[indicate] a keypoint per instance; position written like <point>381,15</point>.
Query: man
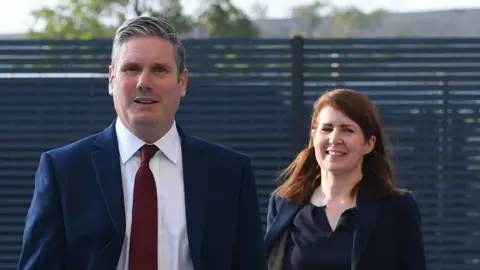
<point>142,194</point>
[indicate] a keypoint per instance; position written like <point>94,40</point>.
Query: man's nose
<point>144,81</point>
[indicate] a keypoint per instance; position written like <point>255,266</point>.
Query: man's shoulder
<point>83,145</point>
<point>218,150</point>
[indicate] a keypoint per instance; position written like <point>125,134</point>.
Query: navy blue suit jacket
<point>77,218</point>
<point>387,234</point>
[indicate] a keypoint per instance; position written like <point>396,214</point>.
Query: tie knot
<point>147,151</point>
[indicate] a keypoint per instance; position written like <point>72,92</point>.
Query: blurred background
<point>85,19</point>
<point>256,67</point>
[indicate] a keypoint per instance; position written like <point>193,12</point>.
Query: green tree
<point>88,19</point>
<point>348,20</point>
<point>222,19</point>
<point>310,15</point>
<point>174,13</point>
<point>76,19</point>
<point>259,11</point>
<point>345,21</point>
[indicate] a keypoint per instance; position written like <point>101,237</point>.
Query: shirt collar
<point>129,144</point>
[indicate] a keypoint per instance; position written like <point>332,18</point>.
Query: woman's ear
<point>370,144</point>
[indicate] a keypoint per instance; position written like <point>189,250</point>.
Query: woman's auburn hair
<point>302,176</point>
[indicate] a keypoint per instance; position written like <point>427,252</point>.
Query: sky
<point>15,16</point>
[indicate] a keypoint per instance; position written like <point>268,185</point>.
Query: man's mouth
<point>145,101</point>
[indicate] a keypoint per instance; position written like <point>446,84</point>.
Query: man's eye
<point>159,69</point>
<point>131,69</point>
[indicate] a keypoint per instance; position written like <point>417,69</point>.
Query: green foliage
<point>309,14</point>
<point>76,19</point>
<point>348,20</point>
<point>259,11</point>
<point>90,19</point>
<point>224,20</point>
<point>175,15</point>
<point>345,21</point>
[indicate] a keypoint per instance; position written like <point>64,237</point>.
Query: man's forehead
<point>147,42</point>
<point>135,50</point>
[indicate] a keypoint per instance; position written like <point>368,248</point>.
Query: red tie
<point>143,236</point>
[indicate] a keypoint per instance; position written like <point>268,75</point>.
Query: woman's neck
<point>336,189</point>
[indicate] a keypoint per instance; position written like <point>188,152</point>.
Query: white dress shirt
<point>167,169</point>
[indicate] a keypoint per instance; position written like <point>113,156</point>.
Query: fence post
<point>298,117</point>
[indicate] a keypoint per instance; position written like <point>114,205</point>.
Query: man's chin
<point>146,122</point>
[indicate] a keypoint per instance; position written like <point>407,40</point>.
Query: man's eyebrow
<point>162,65</point>
<point>155,65</point>
<point>129,63</point>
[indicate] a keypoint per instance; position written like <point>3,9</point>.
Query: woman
<point>338,208</point>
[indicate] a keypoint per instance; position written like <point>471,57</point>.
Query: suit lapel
<point>367,213</point>
<point>285,214</point>
<point>195,177</point>
<point>106,162</point>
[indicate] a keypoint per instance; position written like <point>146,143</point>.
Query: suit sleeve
<point>411,253</point>
<point>43,244</point>
<point>249,253</point>
<point>271,212</point>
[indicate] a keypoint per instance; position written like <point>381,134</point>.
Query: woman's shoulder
<point>401,198</point>
<point>276,202</point>
<point>403,202</point>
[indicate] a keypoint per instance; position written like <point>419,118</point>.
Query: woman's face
<point>339,143</point>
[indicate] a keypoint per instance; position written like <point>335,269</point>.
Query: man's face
<point>145,85</point>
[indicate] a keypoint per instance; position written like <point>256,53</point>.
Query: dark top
<point>313,245</point>
<point>388,232</point>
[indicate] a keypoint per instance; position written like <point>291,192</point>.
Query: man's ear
<point>111,80</point>
<point>183,81</point>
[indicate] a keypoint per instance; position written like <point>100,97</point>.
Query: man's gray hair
<point>149,26</point>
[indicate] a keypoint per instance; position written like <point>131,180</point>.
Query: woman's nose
<point>335,137</point>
